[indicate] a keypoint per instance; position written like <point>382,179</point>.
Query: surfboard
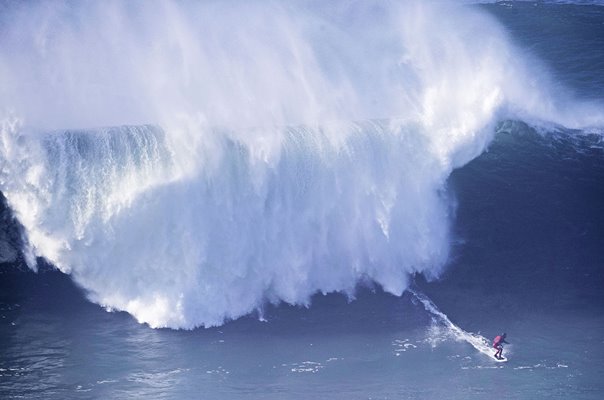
<point>503,359</point>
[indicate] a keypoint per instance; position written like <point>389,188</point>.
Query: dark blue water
<point>565,36</point>
<point>527,258</point>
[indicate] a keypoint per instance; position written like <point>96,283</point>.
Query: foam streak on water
<point>477,341</point>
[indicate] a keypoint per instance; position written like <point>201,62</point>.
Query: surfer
<point>498,344</point>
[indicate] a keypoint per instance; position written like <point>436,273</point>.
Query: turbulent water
<point>197,163</point>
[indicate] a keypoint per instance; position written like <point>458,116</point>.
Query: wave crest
<point>289,149</point>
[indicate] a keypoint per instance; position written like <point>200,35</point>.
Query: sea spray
<point>255,151</point>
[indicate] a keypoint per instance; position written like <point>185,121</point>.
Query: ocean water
<point>342,200</point>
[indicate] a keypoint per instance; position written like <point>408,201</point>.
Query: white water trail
<point>476,340</point>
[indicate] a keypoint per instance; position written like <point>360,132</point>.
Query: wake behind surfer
<point>498,344</point>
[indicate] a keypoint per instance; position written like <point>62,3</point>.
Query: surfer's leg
<point>499,351</point>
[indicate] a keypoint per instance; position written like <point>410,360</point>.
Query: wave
<point>259,151</point>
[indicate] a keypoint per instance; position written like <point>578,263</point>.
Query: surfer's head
<point>503,335</point>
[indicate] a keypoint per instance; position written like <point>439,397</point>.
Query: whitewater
<point>189,163</point>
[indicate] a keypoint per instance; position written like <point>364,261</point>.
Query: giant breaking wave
<point>188,162</point>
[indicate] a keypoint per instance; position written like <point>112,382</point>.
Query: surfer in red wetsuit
<point>498,344</point>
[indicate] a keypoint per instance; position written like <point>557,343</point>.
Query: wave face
<point>256,151</point>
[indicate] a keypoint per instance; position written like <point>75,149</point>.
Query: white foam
<point>307,367</point>
<point>294,148</point>
<point>477,341</point>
